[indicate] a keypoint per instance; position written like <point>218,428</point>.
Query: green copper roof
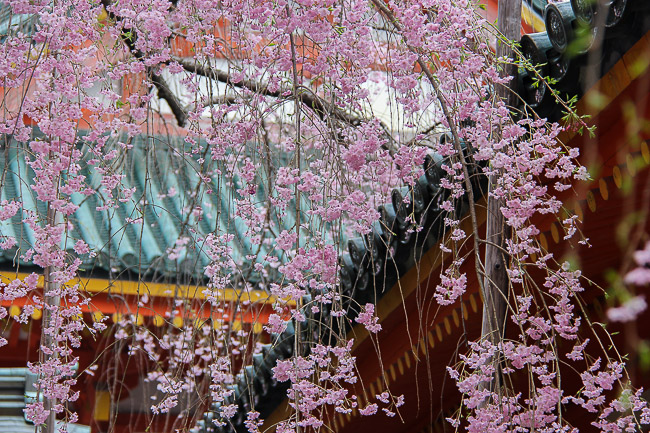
<point>176,197</point>
<point>11,23</point>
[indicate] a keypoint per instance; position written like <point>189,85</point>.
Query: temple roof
<point>14,23</point>
<point>177,201</point>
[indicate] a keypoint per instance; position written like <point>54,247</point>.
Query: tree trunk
<point>49,323</point>
<point>495,296</point>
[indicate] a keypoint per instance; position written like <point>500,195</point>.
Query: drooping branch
<point>493,279</point>
<point>390,17</point>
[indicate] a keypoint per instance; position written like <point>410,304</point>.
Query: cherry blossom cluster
<point>301,116</point>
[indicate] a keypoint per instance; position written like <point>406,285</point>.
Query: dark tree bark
<point>495,296</point>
